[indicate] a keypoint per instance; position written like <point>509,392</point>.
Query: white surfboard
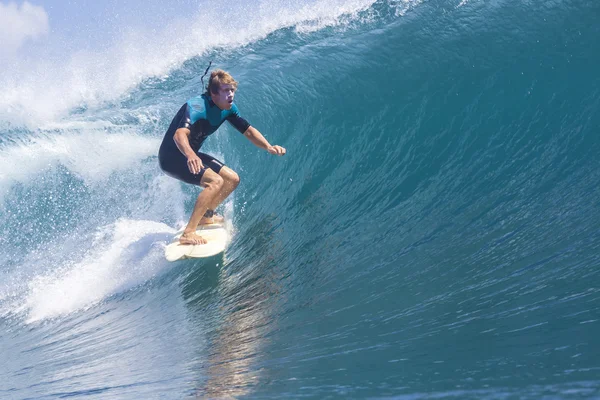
<point>215,234</point>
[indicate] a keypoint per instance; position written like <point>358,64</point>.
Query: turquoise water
<point>433,231</point>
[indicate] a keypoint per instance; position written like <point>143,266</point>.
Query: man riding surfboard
<point>180,157</point>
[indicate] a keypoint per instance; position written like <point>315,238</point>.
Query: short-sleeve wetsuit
<point>202,117</point>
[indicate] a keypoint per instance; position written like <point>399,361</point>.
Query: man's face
<point>224,99</point>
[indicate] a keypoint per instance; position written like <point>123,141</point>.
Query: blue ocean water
<point>433,231</point>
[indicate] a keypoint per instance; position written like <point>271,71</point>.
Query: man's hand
<point>276,150</point>
<point>194,164</point>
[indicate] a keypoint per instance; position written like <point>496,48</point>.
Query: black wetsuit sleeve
<point>185,121</point>
<point>238,122</point>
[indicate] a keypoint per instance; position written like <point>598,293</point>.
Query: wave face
<point>433,231</point>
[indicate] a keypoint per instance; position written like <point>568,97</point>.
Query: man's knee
<point>230,176</point>
<point>234,180</point>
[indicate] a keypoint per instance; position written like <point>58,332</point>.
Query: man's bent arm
<point>183,144</point>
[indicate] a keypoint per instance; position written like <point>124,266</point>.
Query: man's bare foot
<point>215,219</point>
<point>191,238</point>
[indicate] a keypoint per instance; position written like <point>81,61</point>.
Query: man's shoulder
<point>197,104</point>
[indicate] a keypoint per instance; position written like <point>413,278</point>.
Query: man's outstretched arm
<point>259,140</point>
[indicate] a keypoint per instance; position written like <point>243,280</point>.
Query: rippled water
<point>433,231</point>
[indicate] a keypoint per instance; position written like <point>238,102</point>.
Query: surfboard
<point>215,234</point>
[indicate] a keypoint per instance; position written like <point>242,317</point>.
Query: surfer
<point>180,157</point>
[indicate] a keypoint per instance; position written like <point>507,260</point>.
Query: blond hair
<point>217,78</point>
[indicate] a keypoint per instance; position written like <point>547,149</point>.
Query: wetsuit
<point>202,117</point>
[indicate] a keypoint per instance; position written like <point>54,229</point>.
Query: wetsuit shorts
<point>175,165</point>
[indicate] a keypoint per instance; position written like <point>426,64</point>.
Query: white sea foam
<point>122,256</point>
<point>44,90</point>
<point>92,156</point>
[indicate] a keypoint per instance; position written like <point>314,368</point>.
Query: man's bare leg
<point>212,184</point>
<point>230,182</point>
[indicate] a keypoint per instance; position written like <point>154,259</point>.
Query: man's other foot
<point>215,219</point>
<point>191,238</point>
